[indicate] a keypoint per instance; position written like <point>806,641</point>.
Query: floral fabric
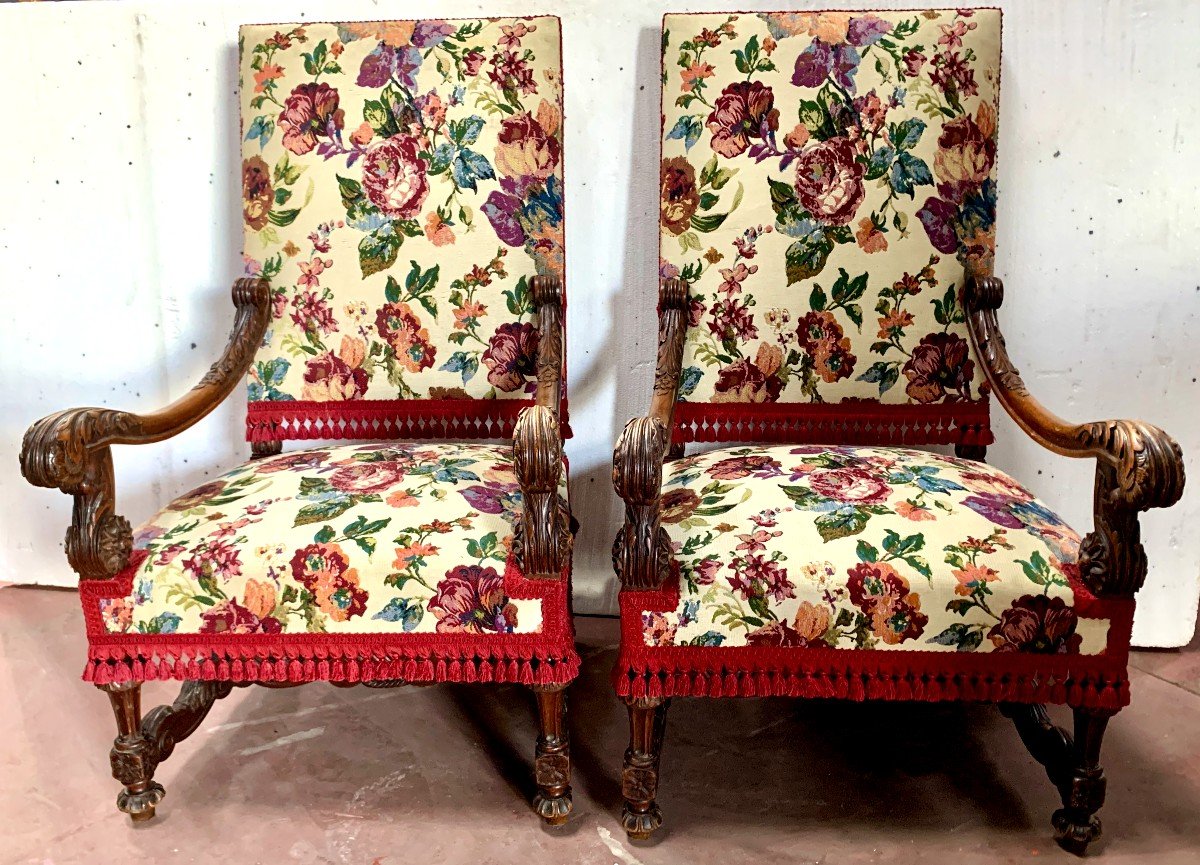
<point>824,177</point>
<point>401,539</point>
<point>401,184</point>
<point>866,548</point>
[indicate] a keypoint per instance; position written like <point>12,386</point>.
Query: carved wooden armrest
<point>548,300</point>
<point>642,552</point>
<point>543,535</point>
<point>70,450</point>
<point>1138,465</point>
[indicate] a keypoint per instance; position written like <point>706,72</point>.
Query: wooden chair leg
<point>143,743</point>
<point>134,757</point>
<point>639,780</point>
<point>1073,766</point>
<point>552,761</point>
<point>1076,824</point>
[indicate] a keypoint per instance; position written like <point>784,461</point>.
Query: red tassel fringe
<point>851,422</point>
<point>856,682</point>
<point>107,665</point>
<point>387,419</point>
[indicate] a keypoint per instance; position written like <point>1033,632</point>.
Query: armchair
<point>817,167</point>
<point>395,561</point>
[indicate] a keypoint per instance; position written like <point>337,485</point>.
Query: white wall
<point>119,237</point>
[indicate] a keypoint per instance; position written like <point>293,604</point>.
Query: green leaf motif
<point>841,523</point>
<point>806,257</point>
<point>378,250</point>
<point>964,638</point>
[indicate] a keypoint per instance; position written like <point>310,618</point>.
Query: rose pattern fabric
<point>865,548</point>
<point>825,177</point>
<point>402,182</point>
<point>408,538</point>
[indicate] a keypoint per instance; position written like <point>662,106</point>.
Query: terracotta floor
<point>430,775</point>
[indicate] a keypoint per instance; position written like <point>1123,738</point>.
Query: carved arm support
<point>543,537</point>
<point>70,450</point>
<point>642,552</point>
<point>548,299</point>
<point>1138,465</point>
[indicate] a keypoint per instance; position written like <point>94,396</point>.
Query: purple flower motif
<point>867,30</point>
<point>384,62</point>
<point>430,34</point>
<point>939,218</point>
<point>377,66</point>
<point>995,508</point>
<point>492,498</point>
<point>501,211</point>
<point>821,60</point>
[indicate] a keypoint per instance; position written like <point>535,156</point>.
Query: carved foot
<point>552,760</point>
<point>553,809</point>
<point>1072,836</point>
<point>140,806</point>
<point>641,815</point>
<point>640,825</point>
<point>142,744</point>
<point>1073,766</point>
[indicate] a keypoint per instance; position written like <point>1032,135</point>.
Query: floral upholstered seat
<point>403,280</point>
<point>866,548</point>
<point>399,539</point>
<point>827,236</point>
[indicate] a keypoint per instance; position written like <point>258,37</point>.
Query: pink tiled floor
<point>430,775</point>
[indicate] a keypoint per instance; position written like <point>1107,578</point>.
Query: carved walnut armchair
<point>827,234</point>
<point>403,210</point>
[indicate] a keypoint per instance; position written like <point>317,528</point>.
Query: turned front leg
<point>639,779</point>
<point>134,757</point>
<point>552,763</point>
<point>1076,824</point>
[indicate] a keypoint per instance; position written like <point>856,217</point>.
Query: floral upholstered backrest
<point>402,183</point>
<point>825,176</point>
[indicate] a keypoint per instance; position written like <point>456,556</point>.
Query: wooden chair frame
<point>1138,467</point>
<point>71,451</point>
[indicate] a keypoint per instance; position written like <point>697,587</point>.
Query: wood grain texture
<point>1138,467</point>
<point>641,552</point>
<point>143,743</point>
<point>70,450</point>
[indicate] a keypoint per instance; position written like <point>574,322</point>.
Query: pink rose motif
<point>511,355</point>
<point>470,599</point>
<point>217,559</point>
<point>853,486</point>
<point>310,113</point>
<point>744,110</point>
<point>829,182</point>
<point>329,378</point>
<point>363,478</point>
<point>394,176</point>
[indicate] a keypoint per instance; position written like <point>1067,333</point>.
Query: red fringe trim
<point>856,422</point>
<point>545,658</point>
<point>856,680</point>
<point>1098,681</point>
<point>286,420</point>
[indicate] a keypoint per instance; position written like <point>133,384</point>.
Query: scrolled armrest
<point>70,450</point>
<point>543,535</point>
<point>642,551</point>
<point>1138,466</point>
<point>548,299</point>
